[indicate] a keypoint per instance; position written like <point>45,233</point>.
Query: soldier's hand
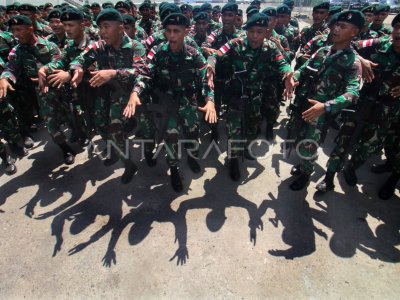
<point>395,92</point>
<point>367,69</point>
<point>4,87</point>
<point>77,78</point>
<point>210,112</point>
<point>306,56</point>
<point>277,43</point>
<point>42,74</point>
<point>58,78</point>
<point>130,108</point>
<point>101,77</point>
<point>210,77</point>
<point>311,114</point>
<point>290,84</point>
<point>208,51</point>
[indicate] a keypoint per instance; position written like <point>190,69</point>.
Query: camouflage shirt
<point>338,77</point>
<point>175,74</point>
<point>149,26</point>
<point>288,53</point>
<point>42,29</point>
<point>127,60</point>
<point>159,37</point>
<point>219,38</point>
<point>7,42</point>
<point>289,33</point>
<point>54,39</point>
<point>93,33</point>
<point>381,31</point>
<point>28,59</point>
<point>308,33</point>
<point>313,46</point>
<point>366,35</point>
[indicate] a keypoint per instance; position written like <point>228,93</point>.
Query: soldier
<point>146,23</point>
<point>175,71</point>
<point>239,20</point>
<point>256,3</point>
<point>12,10</point>
<point>26,59</point>
<point>366,32</point>
<point>251,11</point>
<point>201,26</point>
<point>134,33</point>
<point>119,60</point>
<point>293,21</point>
<point>383,128</point>
<point>107,4</point>
<point>334,85</point>
<point>187,10</point>
<point>122,7</point>
<point>333,10</point>
<point>216,14</point>
<point>319,14</point>
<point>90,30</point>
<point>58,36</point>
<point>381,12</point>
<point>283,28</point>
<point>30,11</point>
<point>252,62</point>
<point>96,9</point>
<point>207,8</point>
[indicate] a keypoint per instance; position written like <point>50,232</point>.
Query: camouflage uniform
<point>337,84</point>
<point>9,126</point>
<point>140,34</point>
<point>382,127</point>
<point>149,26</point>
<point>113,96</point>
<point>290,34</point>
<point>179,77</point>
<point>369,34</point>
<point>382,31</point>
<point>93,33</point>
<point>26,60</point>
<point>42,30</point>
<point>313,46</point>
<point>54,39</point>
<point>159,37</point>
<point>258,65</point>
<point>308,33</point>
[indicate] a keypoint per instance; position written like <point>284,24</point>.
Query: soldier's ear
<point>187,30</point>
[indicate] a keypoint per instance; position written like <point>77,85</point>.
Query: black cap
<point>169,9</point>
<point>186,7</point>
<point>233,7</point>
<point>144,5</point>
<point>255,2</point>
<point>54,14</point>
<point>333,19</point>
<point>354,17</point>
<point>334,10</point>
<point>95,5</point>
<point>109,14</point>
<point>258,19</point>
<point>322,5</point>
<point>396,20</point>
<point>27,7</point>
<point>249,8</point>
<point>128,19</point>
<point>71,14</point>
<point>122,4</point>
<point>368,9</point>
<point>107,4</point>
<point>196,9</point>
<point>270,11</point>
<point>201,16</point>
<point>11,7</point>
<point>47,5</point>
<point>176,19</point>
<point>381,8</point>
<point>19,20</point>
<point>283,9</point>
<point>206,6</point>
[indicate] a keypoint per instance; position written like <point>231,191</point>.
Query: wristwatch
<point>328,107</point>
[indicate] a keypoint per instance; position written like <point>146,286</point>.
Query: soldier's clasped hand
<point>4,87</point>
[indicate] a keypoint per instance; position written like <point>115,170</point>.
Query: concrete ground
<point>76,232</point>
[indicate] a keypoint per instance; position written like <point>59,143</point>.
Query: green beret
<point>27,7</point>
<point>186,7</point>
<point>289,3</point>
<point>368,9</point>
<point>381,8</point>
<point>122,4</point>
<point>40,7</point>
<point>176,19</point>
<point>322,5</point>
<point>233,7</point>
<point>334,10</point>
<point>128,19</point>
<point>11,7</point>
<point>283,9</point>
<point>107,4</point>
<point>255,2</point>
<point>95,5</point>
<point>396,20</point>
<point>206,6</point>
<point>47,5</point>
<point>162,4</point>
<point>240,12</point>
<point>65,4</point>
<point>2,8</point>
<point>59,6</point>
<point>201,16</point>
<point>249,8</point>
<point>217,7</point>
<point>109,14</point>
<point>354,17</point>
<point>169,9</point>
<point>270,11</point>
<point>54,14</point>
<point>258,19</point>
<point>144,5</point>
<point>19,20</point>
<point>333,19</point>
<point>71,14</point>
<point>252,12</point>
<point>196,9</point>
<point>216,11</point>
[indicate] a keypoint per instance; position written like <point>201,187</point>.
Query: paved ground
<point>218,239</point>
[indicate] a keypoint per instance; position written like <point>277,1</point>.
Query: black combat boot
<point>249,155</point>
<point>234,171</point>
<point>130,171</point>
<point>112,157</point>
<point>149,156</point>
<point>350,175</point>
<point>176,180</point>
<point>326,185</point>
<point>295,171</point>
<point>269,132</point>
<point>8,162</point>
<point>301,182</point>
<point>193,164</point>
<point>383,168</point>
<point>214,133</point>
<point>388,188</point>
<point>69,154</point>
<point>28,142</point>
<point>19,150</point>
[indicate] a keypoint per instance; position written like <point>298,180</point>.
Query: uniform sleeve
<point>351,94</point>
<point>279,61</point>
<point>86,58</point>
<point>201,71</point>
<point>209,40</point>
<point>223,51</point>
<point>144,80</point>
<point>14,67</point>
<point>127,75</point>
<point>60,62</point>
<point>371,43</point>
<point>289,54</point>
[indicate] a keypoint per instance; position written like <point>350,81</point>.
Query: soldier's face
<point>145,13</point>
<point>153,14</point>
<point>272,21</point>
<point>74,29</point>
<point>95,10</point>
<point>238,21</point>
<point>12,13</point>
<point>320,15</point>
<point>369,17</point>
<point>123,11</point>
<point>343,32</point>
<point>56,26</point>
<point>175,35</point>
<point>380,18</point>
<point>256,36</point>
<point>2,18</point>
<point>281,20</point>
<point>111,31</point>
<point>28,14</point>
<point>396,37</point>
<point>228,19</point>
<point>23,33</point>
<point>216,17</point>
<point>201,27</point>
<point>130,30</point>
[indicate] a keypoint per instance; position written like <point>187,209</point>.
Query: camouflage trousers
<point>271,103</point>
<point>9,125</point>
<point>242,124</point>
